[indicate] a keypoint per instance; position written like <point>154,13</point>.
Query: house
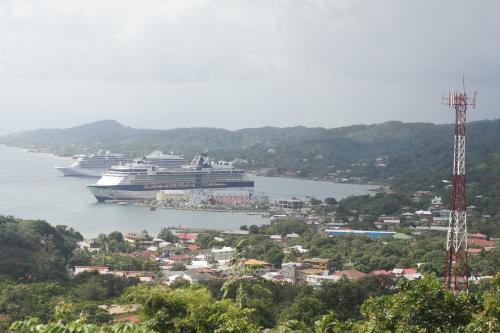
<point>474,251</point>
<point>276,238</point>
<point>89,244</point>
<point>139,239</point>
<point>317,280</point>
<point>276,277</point>
<point>224,253</point>
<point>234,232</point>
<point>189,237</point>
<point>407,273</point>
<point>193,248</point>
<point>100,269</point>
<point>144,254</point>
<point>303,273</point>
<point>407,216</point>
<point>174,196</point>
<point>292,204</point>
<point>481,243</point>
<point>437,203</point>
<point>191,275</point>
<point>233,198</point>
<point>297,248</point>
<point>278,218</point>
<point>254,263</point>
<point>180,258</point>
<point>197,264</point>
<point>123,312</point>
<point>141,275</point>
<point>423,214</point>
<point>290,270</point>
<point>478,236</point>
<point>292,236</point>
<point>350,274</point>
<point>170,248</point>
<point>411,274</point>
<point>389,220</point>
<point>348,232</point>
<point>318,263</point>
<point>380,272</point>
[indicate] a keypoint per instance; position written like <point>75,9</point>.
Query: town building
<point>290,270</point>
<point>317,280</point>
<point>191,275</point>
<point>214,254</point>
<point>139,239</point>
<point>318,263</point>
<point>292,204</point>
<point>260,267</point>
<point>368,233</point>
<point>100,269</point>
<point>231,198</point>
<point>350,274</point>
<point>174,195</point>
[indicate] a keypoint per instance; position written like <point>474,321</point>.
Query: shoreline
<point>377,186</point>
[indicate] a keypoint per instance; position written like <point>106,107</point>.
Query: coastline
<point>253,172</point>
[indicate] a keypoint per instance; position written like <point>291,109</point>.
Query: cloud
<point>277,62</point>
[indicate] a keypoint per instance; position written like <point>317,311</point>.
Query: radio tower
<point>456,275</point>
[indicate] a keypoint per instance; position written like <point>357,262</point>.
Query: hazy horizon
<point>228,129</point>
<point>226,64</point>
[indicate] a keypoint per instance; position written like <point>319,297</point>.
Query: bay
<point>31,188</point>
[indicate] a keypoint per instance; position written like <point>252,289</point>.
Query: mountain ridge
<point>336,153</point>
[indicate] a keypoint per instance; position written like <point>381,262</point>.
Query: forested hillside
<point>346,152</point>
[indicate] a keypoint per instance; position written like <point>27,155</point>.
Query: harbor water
<point>31,188</point>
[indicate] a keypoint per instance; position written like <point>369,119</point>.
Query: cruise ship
<point>139,181</point>
<point>93,165</point>
<point>161,160</point>
<point>97,164</point>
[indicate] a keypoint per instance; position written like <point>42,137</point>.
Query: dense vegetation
<point>406,148</point>
<point>42,289</point>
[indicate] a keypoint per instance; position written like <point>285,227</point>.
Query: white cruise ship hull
<point>104,194</point>
<point>80,172</point>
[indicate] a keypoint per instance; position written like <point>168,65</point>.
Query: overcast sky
<point>237,63</point>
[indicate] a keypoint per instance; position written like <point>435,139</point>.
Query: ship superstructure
<point>161,160</point>
<point>139,181</point>
<point>93,165</point>
<point>96,165</point>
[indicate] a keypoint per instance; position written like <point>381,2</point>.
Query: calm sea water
<point>30,187</point>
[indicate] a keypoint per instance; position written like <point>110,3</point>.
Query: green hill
<point>316,152</point>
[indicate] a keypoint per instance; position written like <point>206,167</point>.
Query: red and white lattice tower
<point>456,273</point>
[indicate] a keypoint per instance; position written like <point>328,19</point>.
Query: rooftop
<point>255,262</point>
<point>350,274</point>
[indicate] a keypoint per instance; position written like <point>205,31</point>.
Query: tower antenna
<point>456,275</point>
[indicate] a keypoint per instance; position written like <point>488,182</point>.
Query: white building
<point>317,280</point>
<point>224,253</point>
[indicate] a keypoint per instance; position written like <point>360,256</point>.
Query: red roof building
<point>187,236</point>
<point>407,271</point>
<point>380,272</point>
<point>180,258</point>
<point>350,274</point>
<point>480,242</point>
<point>474,251</point>
<point>478,236</point>
<point>193,248</point>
